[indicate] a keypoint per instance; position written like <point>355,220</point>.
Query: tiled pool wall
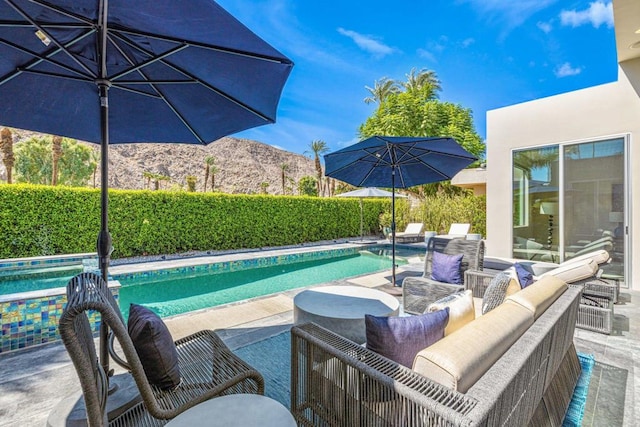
<point>31,318</point>
<point>243,264</point>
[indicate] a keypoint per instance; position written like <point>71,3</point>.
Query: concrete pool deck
<point>33,381</point>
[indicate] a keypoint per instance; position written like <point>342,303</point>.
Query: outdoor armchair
<point>419,292</point>
<point>207,367</point>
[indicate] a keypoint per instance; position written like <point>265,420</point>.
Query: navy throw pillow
<point>401,338</point>
<point>525,278</point>
<point>446,268</point>
<point>155,347</point>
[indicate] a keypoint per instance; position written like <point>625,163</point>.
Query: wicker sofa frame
<point>208,367</point>
<point>419,292</point>
<point>336,382</point>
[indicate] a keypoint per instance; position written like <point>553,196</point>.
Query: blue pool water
<point>181,293</point>
<point>37,279</point>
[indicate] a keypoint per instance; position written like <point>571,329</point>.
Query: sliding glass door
<point>570,199</point>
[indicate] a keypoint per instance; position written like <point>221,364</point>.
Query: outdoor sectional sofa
<point>515,365</point>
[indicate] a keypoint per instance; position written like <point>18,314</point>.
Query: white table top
<point>346,302</point>
<point>246,410</point>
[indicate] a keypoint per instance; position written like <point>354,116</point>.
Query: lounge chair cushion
<point>501,286</point>
<point>446,268</point>
<point>401,338</point>
<point>600,256</point>
<point>155,347</point>
<point>573,271</point>
<point>461,309</point>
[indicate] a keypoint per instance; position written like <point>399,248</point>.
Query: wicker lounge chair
<point>208,368</point>
<point>419,292</point>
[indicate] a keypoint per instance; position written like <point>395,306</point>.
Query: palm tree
<point>213,170</point>
<point>381,90</point>
<point>283,169</point>
<point>423,80</point>
<point>148,176</point>
<point>56,153</point>
<point>318,147</point>
<point>6,145</point>
<point>208,162</point>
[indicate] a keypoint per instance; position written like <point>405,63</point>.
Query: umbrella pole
<point>104,238</point>
<point>361,219</point>
<point>393,225</point>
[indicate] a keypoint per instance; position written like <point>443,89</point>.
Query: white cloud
<point>545,27</point>
<point>429,56</point>
<point>566,70</point>
<point>597,14</point>
<point>367,43</point>
<point>509,13</point>
<point>468,42</point>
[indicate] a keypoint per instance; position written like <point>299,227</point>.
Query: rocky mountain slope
<point>242,165</point>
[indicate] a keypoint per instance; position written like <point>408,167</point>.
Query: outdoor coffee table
<point>341,309</point>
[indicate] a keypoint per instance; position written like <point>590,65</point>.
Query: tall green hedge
<point>43,220</point>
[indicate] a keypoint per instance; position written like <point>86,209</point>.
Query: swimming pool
<point>181,292</point>
<point>30,306</point>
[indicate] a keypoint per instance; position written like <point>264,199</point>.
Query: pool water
<point>178,293</point>
<point>13,282</point>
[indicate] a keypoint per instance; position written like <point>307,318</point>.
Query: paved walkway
<point>33,381</point>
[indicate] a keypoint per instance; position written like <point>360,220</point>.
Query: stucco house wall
<point>594,113</point>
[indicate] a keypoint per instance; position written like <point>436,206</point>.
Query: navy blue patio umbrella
<point>397,162</point>
<point>122,71</point>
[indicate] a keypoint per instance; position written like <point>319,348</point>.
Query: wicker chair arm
<point>478,281</point>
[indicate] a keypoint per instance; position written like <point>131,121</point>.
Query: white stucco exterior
<point>594,113</point>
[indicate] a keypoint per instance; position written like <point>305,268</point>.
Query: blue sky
<point>487,53</point>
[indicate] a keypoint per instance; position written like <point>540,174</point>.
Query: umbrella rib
<point>158,92</point>
<point>60,46</point>
<point>202,45</point>
<point>61,11</point>
<point>38,58</point>
<point>151,60</point>
<point>195,79</point>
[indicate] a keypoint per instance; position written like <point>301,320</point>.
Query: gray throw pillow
<point>155,347</point>
<point>496,291</point>
<point>401,338</point>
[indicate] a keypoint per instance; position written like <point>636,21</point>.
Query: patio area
<point>33,381</point>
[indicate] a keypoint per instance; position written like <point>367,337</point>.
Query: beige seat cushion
<point>599,256</point>
<point>574,271</point>
<point>460,359</point>
<point>538,296</point>
<point>461,310</point>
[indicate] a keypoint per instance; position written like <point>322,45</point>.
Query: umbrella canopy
<point>146,71</point>
<point>397,162</point>
<point>367,192</point>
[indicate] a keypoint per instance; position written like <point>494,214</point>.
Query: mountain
<point>242,165</point>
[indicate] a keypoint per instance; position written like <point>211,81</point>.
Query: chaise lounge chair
<point>412,234</point>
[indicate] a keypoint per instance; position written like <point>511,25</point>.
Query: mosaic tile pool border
<point>33,321</point>
<point>243,264</point>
